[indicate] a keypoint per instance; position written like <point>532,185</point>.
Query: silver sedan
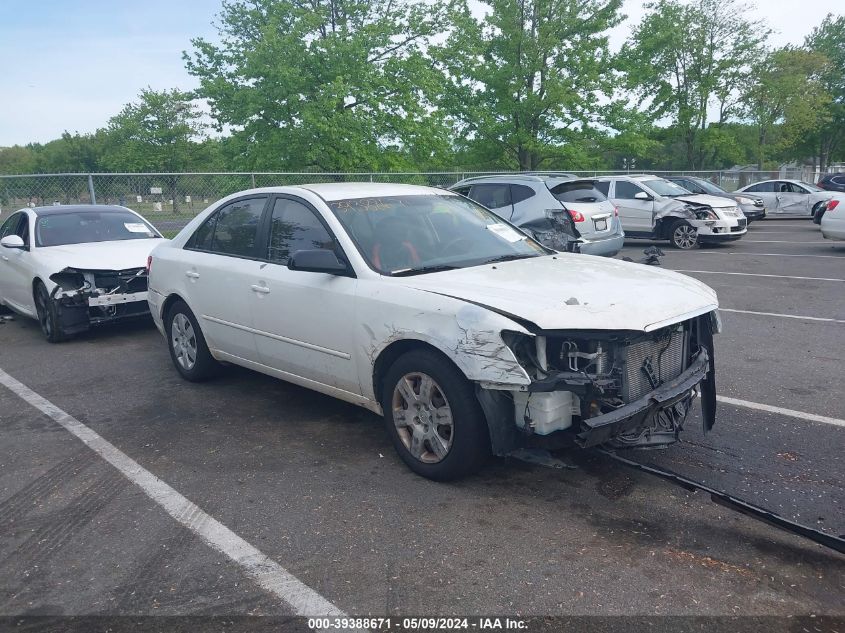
<point>790,197</point>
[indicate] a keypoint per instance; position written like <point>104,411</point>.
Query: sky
<point>73,64</point>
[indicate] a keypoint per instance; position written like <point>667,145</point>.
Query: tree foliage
<point>162,131</point>
<point>686,61</point>
<point>786,92</point>
<point>324,84</point>
<point>390,85</point>
<point>827,141</point>
<point>525,80</point>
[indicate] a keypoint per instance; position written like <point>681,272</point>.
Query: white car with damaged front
<point>75,266</point>
<point>418,304</point>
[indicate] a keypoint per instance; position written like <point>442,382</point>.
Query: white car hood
<point>582,292</point>
<point>116,255</point>
<point>711,201</point>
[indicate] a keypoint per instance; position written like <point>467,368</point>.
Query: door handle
<point>192,274</point>
<point>5,259</point>
<point>260,289</point>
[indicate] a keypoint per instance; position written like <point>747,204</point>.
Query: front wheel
<point>48,318</point>
<point>433,417</point>
<point>187,344</point>
<point>683,235</point>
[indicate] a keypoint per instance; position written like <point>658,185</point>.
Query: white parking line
<point>784,316</point>
<point>780,410</point>
<point>771,255</point>
<point>783,241</point>
<point>720,272</point>
<point>262,569</point>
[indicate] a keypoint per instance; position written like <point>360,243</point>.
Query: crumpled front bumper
<point>603,428</point>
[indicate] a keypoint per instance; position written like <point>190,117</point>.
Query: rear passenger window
<point>231,230</point>
<point>604,187</point>
<point>464,191</point>
<point>491,196</point>
<point>520,193</point>
<point>761,187</point>
<point>627,190</point>
<point>294,227</point>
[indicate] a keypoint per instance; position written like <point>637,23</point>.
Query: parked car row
<point>466,334</point>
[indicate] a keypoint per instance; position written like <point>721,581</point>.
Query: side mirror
<point>12,241</point>
<point>319,260</point>
<point>642,195</point>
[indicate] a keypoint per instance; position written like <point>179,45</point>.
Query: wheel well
<point>664,226</point>
<point>169,302</point>
<point>35,283</point>
<point>392,352</point>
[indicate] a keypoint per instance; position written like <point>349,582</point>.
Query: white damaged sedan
<point>75,266</point>
<point>468,337</point>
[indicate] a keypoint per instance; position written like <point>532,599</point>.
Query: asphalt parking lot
<point>314,485</point>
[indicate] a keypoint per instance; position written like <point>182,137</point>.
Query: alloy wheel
<point>423,417</point>
<point>685,236</point>
<point>184,341</point>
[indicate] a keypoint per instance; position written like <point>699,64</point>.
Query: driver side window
<point>17,224</point>
<point>627,190</point>
<point>294,227</point>
<point>10,225</point>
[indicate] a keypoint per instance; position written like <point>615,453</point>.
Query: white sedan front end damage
<point>575,362</point>
<point>83,298</point>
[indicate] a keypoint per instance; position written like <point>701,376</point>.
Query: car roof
<point>550,180</point>
<point>344,190</point>
<point>60,209</point>
<point>639,177</point>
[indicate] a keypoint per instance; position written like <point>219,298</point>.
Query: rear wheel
<point>45,309</point>
<point>187,344</point>
<point>433,417</point>
<point>683,235</point>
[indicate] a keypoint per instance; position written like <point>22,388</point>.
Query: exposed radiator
<point>665,357</point>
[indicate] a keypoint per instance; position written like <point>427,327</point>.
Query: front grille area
<point>741,226</point>
<point>665,356</point>
<point>109,280</point>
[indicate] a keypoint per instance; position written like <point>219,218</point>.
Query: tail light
<point>616,212</point>
<point>832,204</point>
<point>149,263</point>
<point>577,216</point>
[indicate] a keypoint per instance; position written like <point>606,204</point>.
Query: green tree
<point>688,61</point>
<point>324,84</point>
<point>161,132</point>
<point>526,79</point>
<point>827,143</point>
<point>786,94</point>
<point>17,159</point>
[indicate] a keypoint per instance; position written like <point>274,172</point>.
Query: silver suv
<point>528,199</point>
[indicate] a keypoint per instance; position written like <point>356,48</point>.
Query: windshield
<point>708,186</point>
<point>406,235</point>
<point>665,188</point>
<point>80,227</point>
<point>809,186</point>
<point>578,191</point>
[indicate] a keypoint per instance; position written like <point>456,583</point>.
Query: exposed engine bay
<point>83,298</point>
<point>619,389</point>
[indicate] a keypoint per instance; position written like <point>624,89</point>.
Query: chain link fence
<point>169,201</point>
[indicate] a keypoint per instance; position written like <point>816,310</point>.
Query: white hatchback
<point>418,304</point>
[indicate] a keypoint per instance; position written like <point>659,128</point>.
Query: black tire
<point>469,446</point>
<point>45,309</point>
<point>679,235</point>
<point>203,366</point>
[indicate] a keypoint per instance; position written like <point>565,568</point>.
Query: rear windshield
<point>80,227</point>
<point>578,191</point>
